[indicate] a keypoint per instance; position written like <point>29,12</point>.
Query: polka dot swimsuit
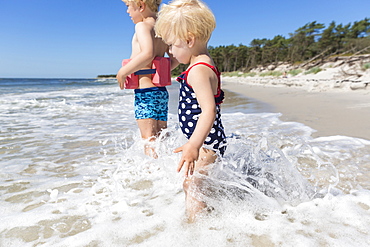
<point>189,112</point>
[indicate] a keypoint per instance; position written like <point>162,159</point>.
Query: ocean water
<point>73,173</point>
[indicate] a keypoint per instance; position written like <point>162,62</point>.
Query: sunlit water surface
<point>73,173</point>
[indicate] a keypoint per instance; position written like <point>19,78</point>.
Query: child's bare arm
<point>145,38</point>
<point>200,78</point>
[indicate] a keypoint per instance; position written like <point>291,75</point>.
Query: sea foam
<point>73,173</point>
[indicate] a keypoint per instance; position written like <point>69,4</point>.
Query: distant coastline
<point>106,76</point>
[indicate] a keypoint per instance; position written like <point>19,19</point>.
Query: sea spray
<point>74,173</point>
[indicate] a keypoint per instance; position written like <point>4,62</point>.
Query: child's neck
<point>149,16</point>
<point>149,19</point>
<point>200,53</point>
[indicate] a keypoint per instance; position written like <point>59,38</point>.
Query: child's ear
<point>191,40</point>
<point>142,6</point>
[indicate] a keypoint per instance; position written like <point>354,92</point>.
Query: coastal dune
<point>328,102</point>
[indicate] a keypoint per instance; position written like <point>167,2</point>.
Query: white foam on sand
<point>73,173</point>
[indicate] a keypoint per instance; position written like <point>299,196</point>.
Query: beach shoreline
<point>77,174</point>
<point>329,111</point>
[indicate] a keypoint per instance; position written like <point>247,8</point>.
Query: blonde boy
<point>151,102</point>
<point>186,26</point>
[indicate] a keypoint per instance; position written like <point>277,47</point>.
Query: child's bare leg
<point>149,130</point>
<point>161,125</point>
<point>192,184</point>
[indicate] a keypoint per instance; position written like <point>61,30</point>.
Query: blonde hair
<point>153,5</point>
<point>180,18</point>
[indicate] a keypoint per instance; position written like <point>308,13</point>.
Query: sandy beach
<point>330,112</point>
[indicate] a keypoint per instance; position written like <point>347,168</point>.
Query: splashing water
<point>73,173</point>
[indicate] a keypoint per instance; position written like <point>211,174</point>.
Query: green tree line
<point>312,41</point>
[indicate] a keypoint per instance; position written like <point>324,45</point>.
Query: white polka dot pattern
<point>189,111</point>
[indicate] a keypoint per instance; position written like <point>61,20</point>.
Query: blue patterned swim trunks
<point>151,103</point>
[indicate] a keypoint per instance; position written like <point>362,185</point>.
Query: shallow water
<point>73,173</point>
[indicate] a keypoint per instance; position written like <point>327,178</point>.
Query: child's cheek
<point>179,55</point>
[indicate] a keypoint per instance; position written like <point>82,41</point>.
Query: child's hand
<point>189,156</point>
<point>121,79</point>
<point>121,82</point>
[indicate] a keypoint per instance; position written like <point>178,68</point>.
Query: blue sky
<point>82,39</point>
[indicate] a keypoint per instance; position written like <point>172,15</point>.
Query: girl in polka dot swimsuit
<point>186,26</point>
<point>190,110</point>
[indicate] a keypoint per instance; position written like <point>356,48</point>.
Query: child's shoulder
<point>202,69</point>
<point>205,64</point>
<point>144,30</point>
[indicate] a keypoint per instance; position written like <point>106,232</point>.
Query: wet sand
<point>330,113</point>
